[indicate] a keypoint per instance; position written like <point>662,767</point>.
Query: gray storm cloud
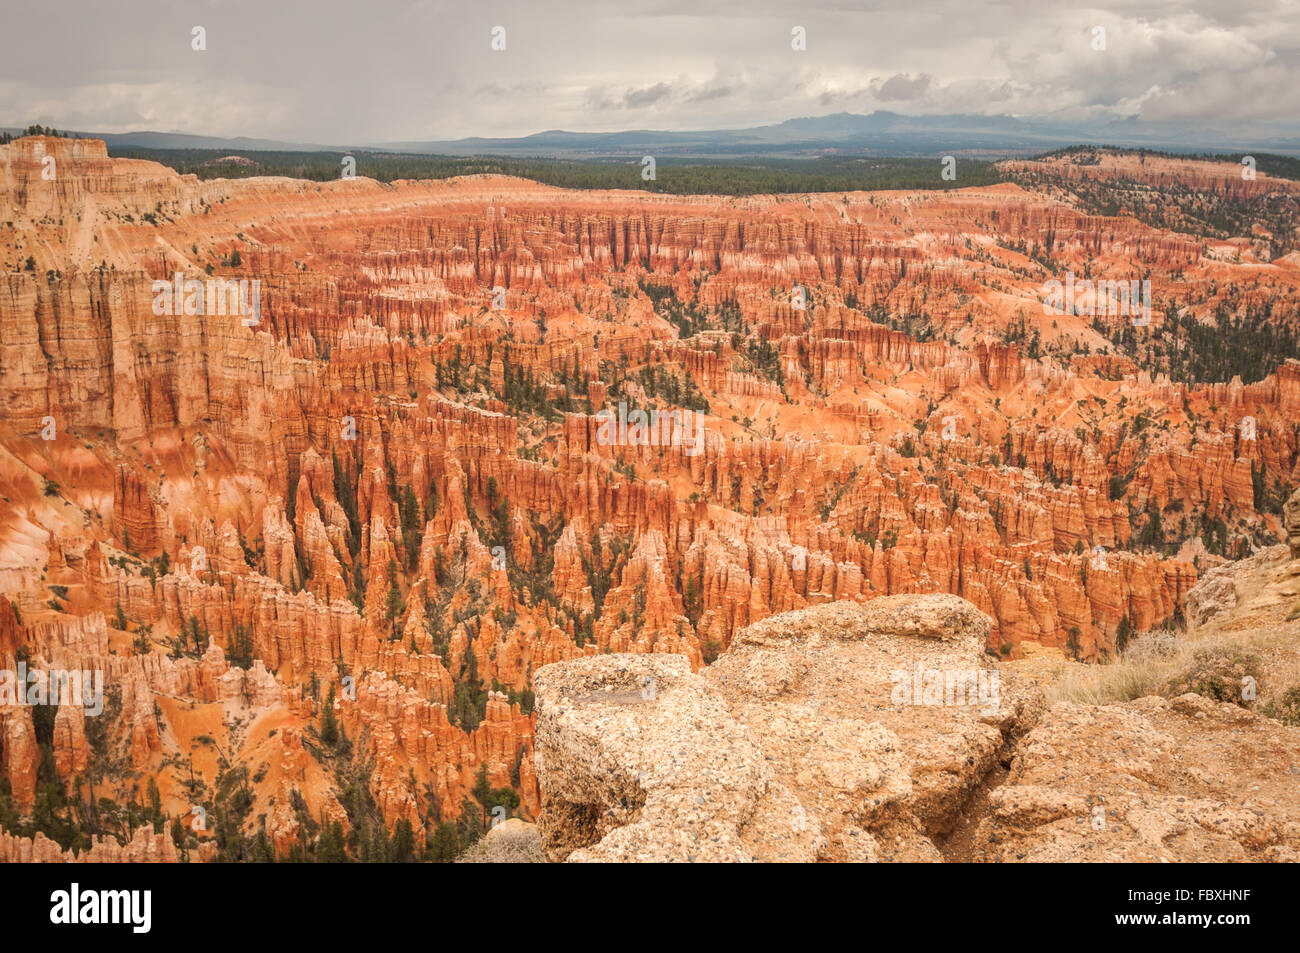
<point>387,70</point>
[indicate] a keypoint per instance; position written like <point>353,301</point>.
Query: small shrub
<point>509,845</point>
<point>1216,673</point>
<point>1286,707</point>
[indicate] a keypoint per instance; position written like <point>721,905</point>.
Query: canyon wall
<point>387,495</point>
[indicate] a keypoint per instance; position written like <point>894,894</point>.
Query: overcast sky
<point>365,71</point>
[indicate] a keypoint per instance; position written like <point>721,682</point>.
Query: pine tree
<point>263,850</point>
<point>155,806</point>
<point>1123,633</point>
<point>409,511</point>
<point>395,605</point>
<point>402,849</point>
<point>329,847</point>
<point>329,726</point>
<point>469,826</point>
<point>444,845</point>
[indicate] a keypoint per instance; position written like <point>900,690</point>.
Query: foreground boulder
<point>823,735</point>
<point>839,732</point>
<point>1152,780</point>
<point>642,761</point>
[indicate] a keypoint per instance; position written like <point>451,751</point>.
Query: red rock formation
<point>21,754</point>
<point>388,485</point>
<point>145,847</point>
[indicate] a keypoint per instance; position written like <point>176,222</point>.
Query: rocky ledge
<point>884,732</point>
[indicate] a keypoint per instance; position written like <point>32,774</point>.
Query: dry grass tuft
<point>1148,663</point>
<point>1169,663</point>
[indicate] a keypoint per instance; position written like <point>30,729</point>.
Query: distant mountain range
<point>879,133</point>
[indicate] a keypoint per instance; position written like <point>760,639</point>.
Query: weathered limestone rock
<point>1153,780</point>
<point>796,745</point>
<point>1213,594</point>
<point>639,760</point>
